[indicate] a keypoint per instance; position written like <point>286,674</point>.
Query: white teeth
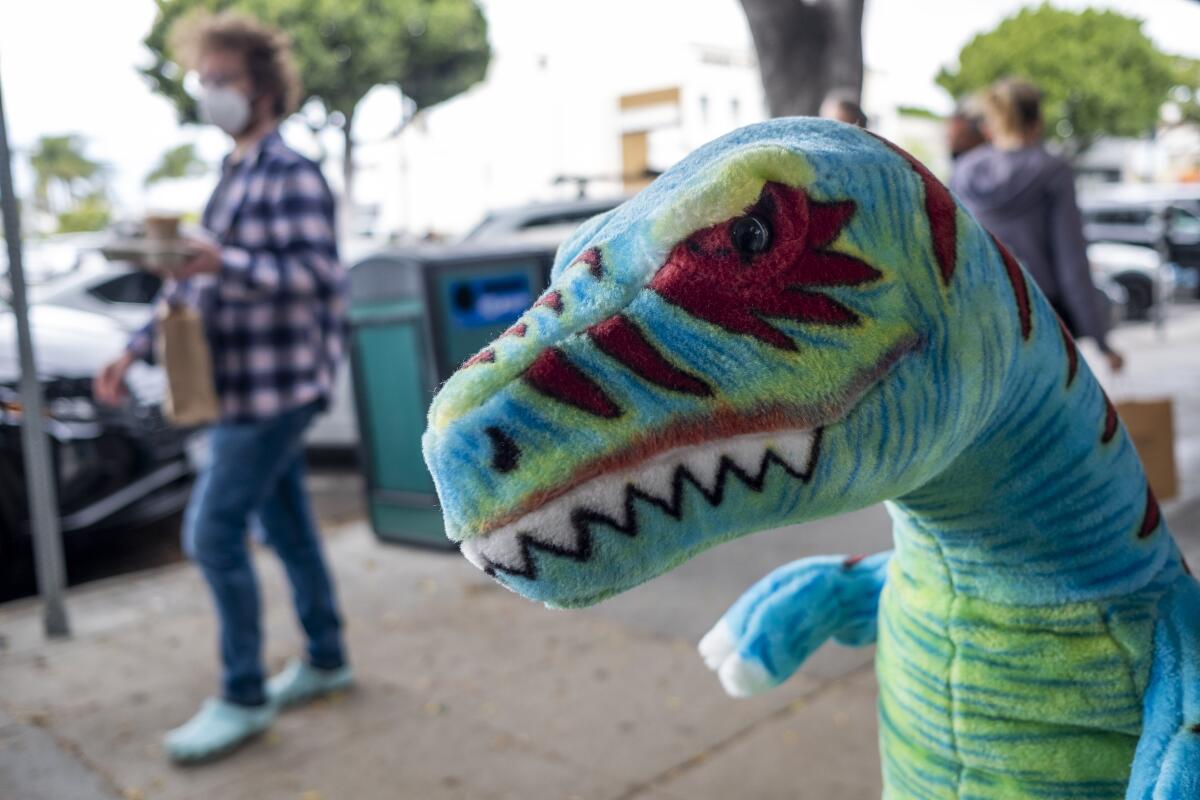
<point>503,549</point>
<point>747,453</point>
<point>655,479</point>
<point>552,524</point>
<point>604,496</point>
<point>795,449</point>
<point>470,550</point>
<point>703,464</point>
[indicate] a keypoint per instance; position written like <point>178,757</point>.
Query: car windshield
<point>43,261</point>
<point>1184,222</point>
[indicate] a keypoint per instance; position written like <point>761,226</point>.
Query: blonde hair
<point>267,52</point>
<point>1011,107</point>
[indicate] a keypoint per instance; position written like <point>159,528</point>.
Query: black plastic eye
<point>750,234</point>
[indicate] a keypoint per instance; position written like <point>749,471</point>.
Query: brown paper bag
<point>182,349</point>
<point>1151,425</point>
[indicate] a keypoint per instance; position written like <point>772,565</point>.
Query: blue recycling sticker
<point>495,300</point>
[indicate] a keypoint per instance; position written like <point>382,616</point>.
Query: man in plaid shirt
<point>270,290</point>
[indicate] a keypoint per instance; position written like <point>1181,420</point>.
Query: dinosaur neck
<point>1048,502</point>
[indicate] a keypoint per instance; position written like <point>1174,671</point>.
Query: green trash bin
<point>415,316</point>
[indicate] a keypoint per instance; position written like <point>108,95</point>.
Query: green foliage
<point>431,49</point>
<point>917,112</point>
<point>178,162</point>
<point>1099,73</point>
<point>91,213</point>
<point>1186,92</point>
<point>61,168</point>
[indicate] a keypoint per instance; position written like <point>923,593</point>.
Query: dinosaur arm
<point>1167,762</point>
<point>769,632</point>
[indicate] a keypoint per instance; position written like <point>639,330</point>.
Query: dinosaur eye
<point>750,234</point>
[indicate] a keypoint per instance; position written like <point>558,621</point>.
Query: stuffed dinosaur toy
<point>796,321</point>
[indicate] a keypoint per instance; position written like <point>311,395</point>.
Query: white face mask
<point>226,108</point>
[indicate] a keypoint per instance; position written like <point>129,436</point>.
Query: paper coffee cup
<point>162,227</point>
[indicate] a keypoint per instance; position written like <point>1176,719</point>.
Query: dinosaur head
<point>714,357</point>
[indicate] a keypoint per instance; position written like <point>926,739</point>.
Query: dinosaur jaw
<point>570,525</point>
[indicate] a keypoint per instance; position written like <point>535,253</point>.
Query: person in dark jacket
<point>1026,197</point>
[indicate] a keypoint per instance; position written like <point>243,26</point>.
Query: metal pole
<point>39,475</point>
<point>1163,246</point>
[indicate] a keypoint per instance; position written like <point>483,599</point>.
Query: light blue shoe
<point>300,682</point>
<point>218,727</point>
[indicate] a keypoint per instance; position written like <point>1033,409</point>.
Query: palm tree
<point>178,162</point>
<point>61,168</point>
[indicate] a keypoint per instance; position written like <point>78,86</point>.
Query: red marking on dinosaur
<point>1151,517</point>
<point>623,340</point>
<point>552,301</point>
<point>1016,279</point>
<point>1072,352</point>
<point>591,257</point>
<point>709,278</point>
<point>518,330</point>
<point>1110,421</point>
<point>942,212</point>
<point>553,374</point>
<point>482,357</point>
<point>852,561</point>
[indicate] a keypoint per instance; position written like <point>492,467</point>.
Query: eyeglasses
<point>217,80</point>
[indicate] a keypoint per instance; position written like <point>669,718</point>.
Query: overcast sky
<point>69,65</point>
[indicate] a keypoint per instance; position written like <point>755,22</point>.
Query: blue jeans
<point>258,469</point>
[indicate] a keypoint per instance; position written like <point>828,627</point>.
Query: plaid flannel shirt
<point>275,314</point>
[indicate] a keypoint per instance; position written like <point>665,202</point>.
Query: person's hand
<point>1116,361</point>
<point>108,387</point>
<point>205,261</point>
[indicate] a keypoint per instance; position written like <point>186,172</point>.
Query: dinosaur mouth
<point>566,525</point>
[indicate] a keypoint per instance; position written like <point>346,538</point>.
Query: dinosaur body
<point>795,321</point>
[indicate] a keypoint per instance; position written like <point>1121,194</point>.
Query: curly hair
<point>267,52</point>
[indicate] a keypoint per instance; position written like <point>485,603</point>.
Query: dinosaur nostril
<point>505,453</point>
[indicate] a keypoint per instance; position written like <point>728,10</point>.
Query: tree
<point>178,162</point>
<point>430,50</point>
<point>62,173</point>
<point>1099,74</point>
<point>1186,92</point>
<point>805,49</point>
<point>90,213</point>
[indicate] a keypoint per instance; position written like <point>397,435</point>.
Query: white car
<point>1134,271</point>
<point>124,294</point>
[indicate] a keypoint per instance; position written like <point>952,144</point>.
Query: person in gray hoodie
<point>1026,197</point>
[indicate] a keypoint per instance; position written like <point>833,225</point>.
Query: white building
<point>541,123</point>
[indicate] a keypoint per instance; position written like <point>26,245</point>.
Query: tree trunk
<point>346,214</point>
<point>805,49</point>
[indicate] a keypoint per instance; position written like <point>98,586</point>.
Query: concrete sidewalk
<point>467,691</point>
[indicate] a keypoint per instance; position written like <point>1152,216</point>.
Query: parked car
<point>540,221</point>
<point>124,294</point>
<point>1133,269</point>
<point>110,288</point>
<point>1140,222</point>
<point>113,466</point>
